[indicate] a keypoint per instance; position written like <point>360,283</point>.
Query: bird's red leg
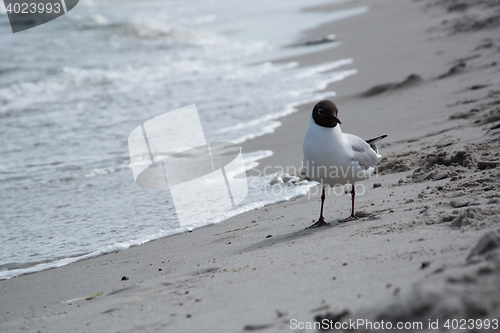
<point>321,221</point>
<point>353,216</point>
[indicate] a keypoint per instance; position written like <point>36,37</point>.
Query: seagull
<point>335,158</point>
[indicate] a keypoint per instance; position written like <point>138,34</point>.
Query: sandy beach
<point>427,245</point>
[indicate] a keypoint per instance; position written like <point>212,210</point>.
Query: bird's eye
<point>320,111</point>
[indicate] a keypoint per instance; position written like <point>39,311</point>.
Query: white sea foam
<point>252,158</point>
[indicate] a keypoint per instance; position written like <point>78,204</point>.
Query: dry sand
<point>412,257</point>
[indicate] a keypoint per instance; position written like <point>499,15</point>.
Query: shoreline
<point>236,276</point>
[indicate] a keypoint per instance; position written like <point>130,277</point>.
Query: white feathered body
<point>334,158</point>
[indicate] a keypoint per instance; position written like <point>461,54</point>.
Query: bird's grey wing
<point>362,152</point>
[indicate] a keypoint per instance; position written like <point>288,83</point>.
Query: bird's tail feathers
<point>372,144</point>
<point>378,138</point>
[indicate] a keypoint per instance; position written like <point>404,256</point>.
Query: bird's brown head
<point>325,114</point>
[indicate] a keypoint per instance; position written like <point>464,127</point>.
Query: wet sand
<point>411,257</point>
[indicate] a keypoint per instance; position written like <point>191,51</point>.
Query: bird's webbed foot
<point>350,218</point>
<point>321,223</point>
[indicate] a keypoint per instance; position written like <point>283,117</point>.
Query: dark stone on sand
<point>269,236</point>
<point>375,185</point>
<point>124,278</point>
<point>425,264</point>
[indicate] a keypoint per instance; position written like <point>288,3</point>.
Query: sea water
<point>72,90</point>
